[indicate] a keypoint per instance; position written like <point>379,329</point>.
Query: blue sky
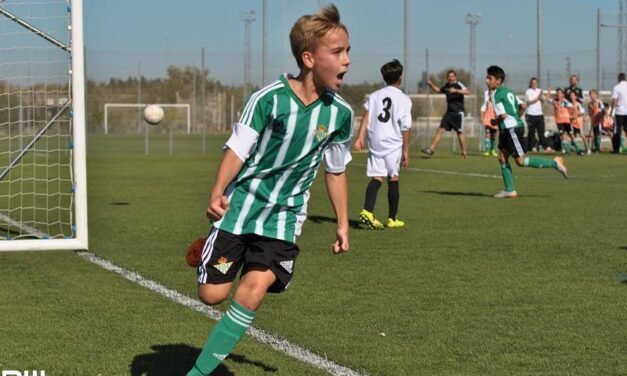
<point>123,37</point>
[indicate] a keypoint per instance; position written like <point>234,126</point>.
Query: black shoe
<point>427,151</point>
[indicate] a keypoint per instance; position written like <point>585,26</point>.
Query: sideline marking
<point>278,344</point>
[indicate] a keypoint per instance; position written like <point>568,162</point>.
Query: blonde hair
<point>310,29</point>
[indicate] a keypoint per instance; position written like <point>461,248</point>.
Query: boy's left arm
<point>337,188</point>
<point>337,156</point>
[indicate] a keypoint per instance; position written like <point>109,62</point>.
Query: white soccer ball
<point>153,114</point>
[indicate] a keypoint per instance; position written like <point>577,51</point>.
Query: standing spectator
<point>453,119</point>
<point>574,88</point>
<point>535,118</point>
<point>619,109</point>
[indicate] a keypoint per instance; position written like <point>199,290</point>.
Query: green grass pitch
<point>471,286</point>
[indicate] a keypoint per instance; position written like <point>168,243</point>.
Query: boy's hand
<point>218,205</point>
<point>341,244</point>
<point>405,159</point>
<point>495,121</point>
<point>359,144</point>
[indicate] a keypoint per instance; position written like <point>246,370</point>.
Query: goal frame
<point>79,170</point>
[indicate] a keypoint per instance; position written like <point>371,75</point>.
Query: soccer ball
<point>153,114</point>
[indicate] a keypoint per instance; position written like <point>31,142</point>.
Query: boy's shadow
<point>319,219</point>
<point>450,193</point>
<point>177,359</point>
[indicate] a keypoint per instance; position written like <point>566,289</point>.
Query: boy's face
<point>593,95</point>
<point>492,82</point>
<point>451,78</point>
<point>330,61</point>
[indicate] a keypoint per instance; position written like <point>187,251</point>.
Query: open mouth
<point>341,76</point>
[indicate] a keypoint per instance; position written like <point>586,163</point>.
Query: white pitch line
<point>278,344</point>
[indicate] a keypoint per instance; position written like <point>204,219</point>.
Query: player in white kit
<point>387,121</point>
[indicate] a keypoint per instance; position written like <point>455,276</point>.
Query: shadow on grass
<point>624,248</point>
<point>448,193</point>
<point>472,194</point>
<point>168,360</point>
<point>621,277</point>
<point>320,219</point>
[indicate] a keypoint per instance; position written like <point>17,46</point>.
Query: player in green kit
<point>259,199</point>
<point>511,130</point>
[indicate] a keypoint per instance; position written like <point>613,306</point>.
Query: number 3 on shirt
<point>385,115</point>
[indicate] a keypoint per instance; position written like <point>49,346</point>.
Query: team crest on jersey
<point>223,265</point>
<point>278,125</point>
<point>321,132</point>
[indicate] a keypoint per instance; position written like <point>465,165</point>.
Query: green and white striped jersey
<point>282,143</point>
<point>506,103</point>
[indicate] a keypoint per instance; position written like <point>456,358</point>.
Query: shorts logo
<point>321,132</point>
<point>287,265</point>
<point>223,265</point>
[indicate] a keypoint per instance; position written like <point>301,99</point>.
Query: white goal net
<point>42,125</point>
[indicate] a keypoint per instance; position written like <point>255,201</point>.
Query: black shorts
<point>576,131</point>
<point>224,254</point>
<point>510,140</point>
<point>564,128</point>
<point>453,121</point>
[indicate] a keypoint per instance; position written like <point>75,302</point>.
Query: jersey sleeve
<point>337,156</point>
<point>247,129</point>
<point>499,107</point>
<point>367,104</point>
<point>614,93</point>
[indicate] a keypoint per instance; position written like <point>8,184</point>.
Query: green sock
<point>622,144</point>
<point>487,144</point>
<point>492,144</point>
<point>597,143</point>
<point>576,146</point>
<point>508,177</point>
<point>565,146</point>
<point>223,339</point>
<point>539,163</point>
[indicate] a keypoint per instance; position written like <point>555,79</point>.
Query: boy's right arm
<point>229,167</point>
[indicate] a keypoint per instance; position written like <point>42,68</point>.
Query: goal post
<point>43,187</point>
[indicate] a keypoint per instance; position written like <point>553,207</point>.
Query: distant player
<point>453,119</point>
<point>387,121</point>
<point>490,129</point>
<point>259,199</point>
<point>577,113</point>
<point>511,130</point>
<point>596,112</point>
<point>561,110</point>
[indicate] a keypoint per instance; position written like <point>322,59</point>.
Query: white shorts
<point>385,166</point>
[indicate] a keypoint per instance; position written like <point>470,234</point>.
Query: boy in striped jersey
<point>511,130</point>
<point>387,120</point>
<point>259,199</point>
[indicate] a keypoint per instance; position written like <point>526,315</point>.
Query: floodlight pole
<point>248,17</point>
<point>264,47</point>
<point>405,38</point>
<point>599,26</point>
<point>539,39</point>
<point>473,20</point>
